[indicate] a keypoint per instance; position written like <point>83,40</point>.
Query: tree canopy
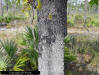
<point>94,2</point>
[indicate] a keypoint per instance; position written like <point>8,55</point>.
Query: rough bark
<point>51,35</point>
<point>1,10</point>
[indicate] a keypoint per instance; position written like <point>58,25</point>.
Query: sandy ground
<point>19,27</point>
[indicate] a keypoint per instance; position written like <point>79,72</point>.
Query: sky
<point>81,0</point>
<point>78,1</point>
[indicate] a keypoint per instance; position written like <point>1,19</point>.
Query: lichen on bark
<point>51,37</point>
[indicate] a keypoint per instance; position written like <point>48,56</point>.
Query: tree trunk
<point>98,8</point>
<point>85,14</point>
<point>1,10</point>
<point>7,7</point>
<point>86,6</point>
<point>52,30</point>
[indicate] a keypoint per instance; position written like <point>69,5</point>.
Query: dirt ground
<point>19,26</point>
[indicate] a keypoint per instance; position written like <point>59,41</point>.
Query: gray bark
<point>51,35</point>
<point>1,10</point>
<point>86,6</point>
<point>7,7</point>
<point>85,14</point>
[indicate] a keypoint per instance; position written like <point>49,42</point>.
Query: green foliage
<point>10,47</point>
<point>29,33</point>
<point>80,43</point>
<point>39,6</point>
<point>96,23</point>
<point>88,21</point>
<point>28,54</point>
<point>18,2</point>
<point>9,18</point>
<point>70,23</point>
<point>78,19</point>
<point>68,57</point>
<point>67,39</point>
<point>26,8</point>
<point>20,63</point>
<point>94,2</point>
<point>31,36</point>
<point>33,56</point>
<point>93,22</point>
<point>29,41</point>
<point>85,48</point>
<point>75,20</point>
<point>4,62</point>
<point>35,17</point>
<point>36,36</point>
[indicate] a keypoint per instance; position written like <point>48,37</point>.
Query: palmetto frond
<point>4,61</point>
<point>31,35</point>
<point>21,62</point>
<point>9,46</point>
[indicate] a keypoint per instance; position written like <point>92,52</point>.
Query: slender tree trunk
<point>98,8</point>
<point>52,30</point>
<point>85,14</point>
<point>86,6</point>
<point>85,10</point>
<point>1,9</point>
<point>7,7</point>
<point>14,10</point>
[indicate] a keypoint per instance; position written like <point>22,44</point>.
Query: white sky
<point>78,1</point>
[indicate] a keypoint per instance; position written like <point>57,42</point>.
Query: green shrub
<point>10,47</point>
<point>88,21</point>
<point>94,23</point>
<point>31,36</point>
<point>9,18</point>
<point>27,56</point>
<point>4,62</point>
<point>67,39</point>
<point>68,56</point>
<point>70,23</point>
<point>97,23</point>
<point>30,43</point>
<point>78,19</point>
<point>20,63</point>
<point>1,19</point>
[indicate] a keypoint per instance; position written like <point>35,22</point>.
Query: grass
<point>84,45</point>
<point>85,48</point>
<point>78,20</point>
<point>78,45</point>
<point>8,18</point>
